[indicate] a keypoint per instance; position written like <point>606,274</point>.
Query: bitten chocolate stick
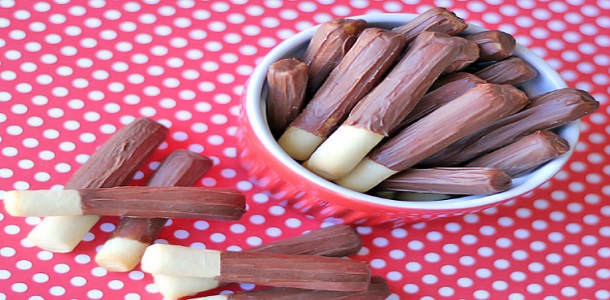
<point>476,108</point>
<point>378,290</point>
<point>387,104</point>
<point>125,247</point>
<point>525,154</point>
<point>287,80</point>
<point>454,181</point>
<point>272,269</point>
<point>453,86</point>
<point>512,70</point>
<point>131,201</point>
<point>545,112</point>
<point>494,45</point>
<point>436,19</point>
<point>339,240</point>
<point>362,67</point>
<point>328,46</point>
<point>113,164</point>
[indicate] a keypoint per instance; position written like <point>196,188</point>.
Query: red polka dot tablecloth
<point>73,72</point>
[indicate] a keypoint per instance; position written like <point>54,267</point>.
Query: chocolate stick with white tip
<point>272,269</point>
<point>125,247</point>
<point>339,240</point>
<point>327,47</point>
<point>525,154</point>
<point>545,112</point>
<point>113,164</point>
<point>378,290</point>
<point>436,19</point>
<point>131,201</point>
<point>287,79</point>
<point>494,45</point>
<point>512,70</point>
<point>388,103</point>
<point>476,108</point>
<point>362,67</point>
<point>453,181</point>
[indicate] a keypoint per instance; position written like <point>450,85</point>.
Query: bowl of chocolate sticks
<point>395,118</point>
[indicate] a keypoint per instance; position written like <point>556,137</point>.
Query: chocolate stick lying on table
<point>512,70</point>
<point>476,108</point>
<point>525,154</point>
<point>453,86</point>
<point>545,112</point>
<point>362,67</point>
<point>113,164</point>
<point>389,102</point>
<point>131,201</point>
<point>125,247</point>
<point>339,240</point>
<point>287,80</point>
<point>494,45</point>
<point>436,19</point>
<point>272,269</point>
<point>327,47</point>
<point>454,181</point>
<point>378,290</point>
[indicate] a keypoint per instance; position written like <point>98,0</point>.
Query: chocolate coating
<point>362,67</point>
<point>339,240</point>
<point>494,45</point>
<point>525,154</point>
<point>328,46</point>
<point>476,108</point>
<point>378,290</point>
<point>180,168</point>
<point>452,86</point>
<point>436,19</point>
<point>120,157</point>
<point>457,181</point>
<point>164,202</point>
<point>395,96</point>
<point>544,112</point>
<point>512,70</point>
<point>297,271</point>
<point>287,80</point>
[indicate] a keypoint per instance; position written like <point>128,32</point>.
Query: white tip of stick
<point>120,254</point>
<point>342,151</point>
<point>365,176</point>
<point>173,287</point>
<point>43,203</point>
<point>217,297</point>
<point>181,261</point>
<point>298,143</point>
<point>61,234</point>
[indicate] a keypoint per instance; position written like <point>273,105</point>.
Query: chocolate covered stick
<point>454,181</point>
<point>378,290</point>
<point>476,108</point>
<point>272,269</point>
<point>362,67</point>
<point>328,46</point>
<point>436,19</point>
<point>132,201</point>
<point>114,163</point>
<point>387,104</point>
<point>545,112</point>
<point>339,240</point>
<point>494,45</point>
<point>287,80</point>
<point>453,86</point>
<point>512,70</point>
<point>125,247</point>
<point>525,154</point>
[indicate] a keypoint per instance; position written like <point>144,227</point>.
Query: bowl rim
<point>254,109</point>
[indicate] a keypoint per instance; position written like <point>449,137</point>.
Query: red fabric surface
<point>72,73</point>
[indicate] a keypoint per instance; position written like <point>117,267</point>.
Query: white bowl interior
<point>547,80</point>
